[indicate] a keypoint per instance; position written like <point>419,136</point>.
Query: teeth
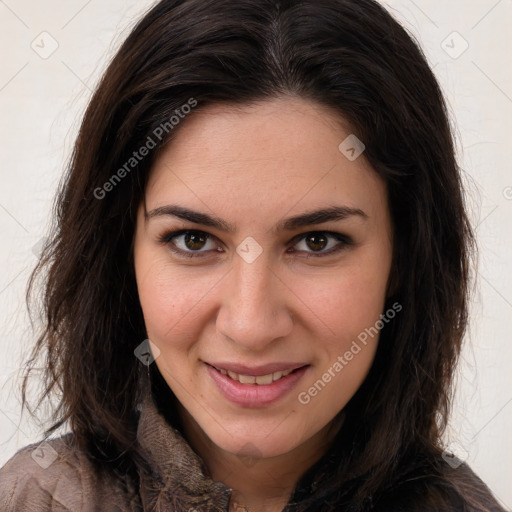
<point>277,375</point>
<point>247,379</point>
<point>261,380</point>
<point>264,379</point>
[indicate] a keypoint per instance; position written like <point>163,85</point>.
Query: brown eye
<point>195,240</point>
<point>316,241</point>
<point>321,243</point>
<point>190,243</point>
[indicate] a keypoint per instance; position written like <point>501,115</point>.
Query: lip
<point>255,395</point>
<point>256,371</point>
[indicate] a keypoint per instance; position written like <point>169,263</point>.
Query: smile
<point>261,380</point>
<point>245,389</point>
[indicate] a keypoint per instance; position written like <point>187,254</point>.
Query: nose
<point>255,307</point>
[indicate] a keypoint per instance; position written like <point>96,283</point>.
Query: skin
<point>253,166</point>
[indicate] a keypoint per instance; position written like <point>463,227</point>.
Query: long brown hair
<point>351,56</point>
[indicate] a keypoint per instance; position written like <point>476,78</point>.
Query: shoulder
<point>56,476</point>
<point>440,488</point>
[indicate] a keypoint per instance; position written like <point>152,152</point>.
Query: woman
<point>256,290</point>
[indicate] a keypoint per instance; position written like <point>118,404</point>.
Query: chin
<point>248,440</point>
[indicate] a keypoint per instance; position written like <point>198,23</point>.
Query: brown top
<point>56,476</point>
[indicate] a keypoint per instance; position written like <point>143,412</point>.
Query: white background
<point>41,101</point>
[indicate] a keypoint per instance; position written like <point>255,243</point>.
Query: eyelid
<point>333,234</point>
<point>343,242</point>
<point>166,239</point>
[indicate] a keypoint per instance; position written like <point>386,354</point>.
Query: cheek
<point>350,307</point>
<point>349,302</point>
<point>345,301</point>
<point>170,299</point>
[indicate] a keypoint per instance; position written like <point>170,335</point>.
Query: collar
<point>178,479</point>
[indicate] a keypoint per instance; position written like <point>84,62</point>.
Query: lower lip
<point>254,395</point>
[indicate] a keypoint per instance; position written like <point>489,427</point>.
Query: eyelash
<point>345,241</point>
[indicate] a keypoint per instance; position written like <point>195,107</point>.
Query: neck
<point>259,484</point>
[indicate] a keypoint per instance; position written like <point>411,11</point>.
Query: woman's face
<point>258,284</point>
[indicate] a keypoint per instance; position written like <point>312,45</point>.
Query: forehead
<point>267,156</point>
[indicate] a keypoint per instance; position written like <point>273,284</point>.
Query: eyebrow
<point>304,219</point>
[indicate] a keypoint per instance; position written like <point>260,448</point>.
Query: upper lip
<point>256,371</point>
